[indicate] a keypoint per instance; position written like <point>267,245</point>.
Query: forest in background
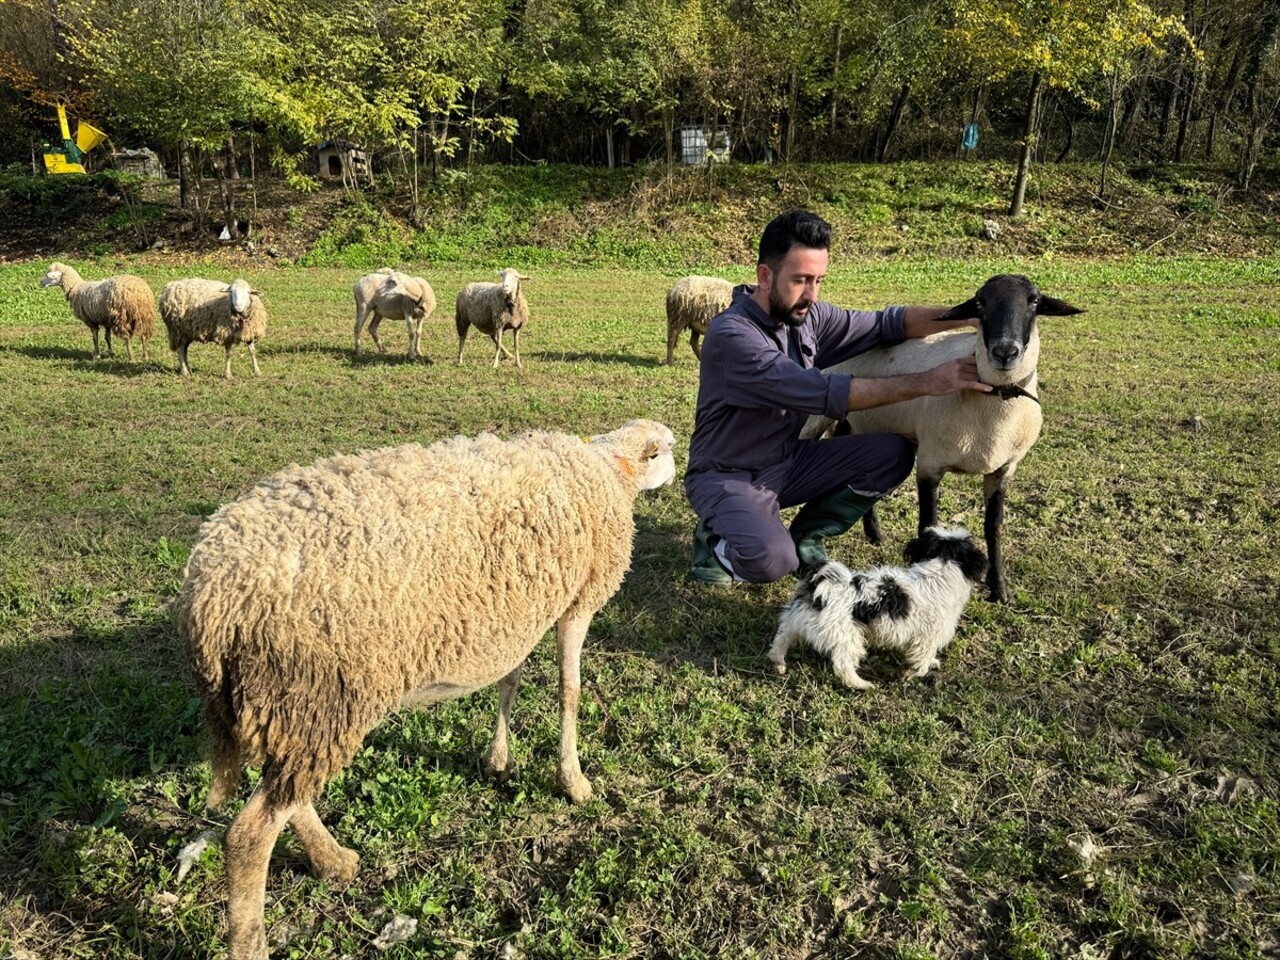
<point>228,88</point>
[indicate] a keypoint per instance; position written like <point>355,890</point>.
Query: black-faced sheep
<point>123,305</point>
<point>329,595</point>
<point>692,303</point>
<point>967,432</point>
<point>492,308</point>
<point>210,311</point>
<point>394,296</point>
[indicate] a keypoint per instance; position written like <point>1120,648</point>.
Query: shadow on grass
<point>83,360</point>
<point>594,357</point>
<point>86,717</point>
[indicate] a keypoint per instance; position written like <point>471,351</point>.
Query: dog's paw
<point>780,667</point>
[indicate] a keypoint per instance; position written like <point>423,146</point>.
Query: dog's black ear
<point>923,547</point>
<point>973,562</point>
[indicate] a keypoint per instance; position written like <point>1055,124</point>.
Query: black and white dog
<point>913,609</point>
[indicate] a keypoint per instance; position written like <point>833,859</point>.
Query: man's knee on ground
<point>766,561</point>
<point>900,457</point>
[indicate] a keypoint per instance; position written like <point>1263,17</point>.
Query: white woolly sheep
<point>329,595</point>
<point>692,303</point>
<point>123,305</point>
<point>210,311</point>
<point>388,294</point>
<point>967,432</point>
<point>492,308</point>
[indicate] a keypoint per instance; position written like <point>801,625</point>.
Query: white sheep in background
<point>692,303</point>
<point>388,294</point>
<point>329,595</point>
<point>123,305</point>
<point>967,432</point>
<point>492,308</point>
<point>210,311</point>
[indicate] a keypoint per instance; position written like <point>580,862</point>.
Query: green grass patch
<point>1069,784</point>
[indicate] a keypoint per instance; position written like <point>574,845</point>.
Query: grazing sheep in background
<point>492,308</point>
<point>329,595</point>
<point>914,610</point>
<point>392,295</point>
<point>692,303</point>
<point>123,305</point>
<point>966,432</point>
<point>210,311</point>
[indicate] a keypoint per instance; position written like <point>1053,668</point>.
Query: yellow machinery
<point>66,157</point>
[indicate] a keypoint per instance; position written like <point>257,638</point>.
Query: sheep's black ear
<point>962,311</point>
<point>1053,307</point>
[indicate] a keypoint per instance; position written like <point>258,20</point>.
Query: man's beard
<point>786,313</point>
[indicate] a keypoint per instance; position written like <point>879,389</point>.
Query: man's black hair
<point>793,228</point>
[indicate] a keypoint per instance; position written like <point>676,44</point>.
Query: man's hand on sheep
<point>950,377</point>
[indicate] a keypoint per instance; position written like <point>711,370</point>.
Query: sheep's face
<point>54,277</point>
<point>510,285</point>
<point>654,443</point>
<point>1007,306</point>
<point>241,296</point>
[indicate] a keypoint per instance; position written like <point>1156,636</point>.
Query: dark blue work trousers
<point>743,507</point>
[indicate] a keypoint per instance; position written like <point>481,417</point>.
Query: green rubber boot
<point>826,516</point>
<point>705,565</point>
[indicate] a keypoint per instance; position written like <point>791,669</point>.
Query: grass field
<point>1092,773</point>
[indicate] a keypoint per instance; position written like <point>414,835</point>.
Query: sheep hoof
<point>500,772</point>
<point>343,867</point>
<point>578,788</point>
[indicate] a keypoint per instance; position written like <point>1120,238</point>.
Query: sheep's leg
<point>253,355</point>
<point>462,339</point>
<point>226,370</point>
<point>360,317</point>
<point>250,840</point>
<point>498,759</point>
<point>515,335</point>
<point>329,859</point>
<point>673,338</point>
<point>694,345</point>
<point>96,354</point>
<point>111,351</point>
<point>128,346</point>
<point>993,485</point>
<point>571,632</point>
<point>497,338</point>
<point>871,526</point>
<point>182,361</point>
<point>927,494</point>
<point>413,336</point>
<point>373,332</point>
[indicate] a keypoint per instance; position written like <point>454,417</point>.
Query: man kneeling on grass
<point>761,378</point>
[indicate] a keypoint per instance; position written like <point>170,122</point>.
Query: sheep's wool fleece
<point>196,310</point>
<point>328,594</point>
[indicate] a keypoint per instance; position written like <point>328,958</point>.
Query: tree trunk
<point>1257,122</point>
<point>1109,133</point>
<point>669,131</point>
<point>233,168</point>
<point>1071,132</point>
<point>1184,121</point>
<point>793,104</point>
<point>184,175</point>
<point>895,116</point>
<point>227,192</point>
<point>1029,133</point>
<point>835,78</point>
